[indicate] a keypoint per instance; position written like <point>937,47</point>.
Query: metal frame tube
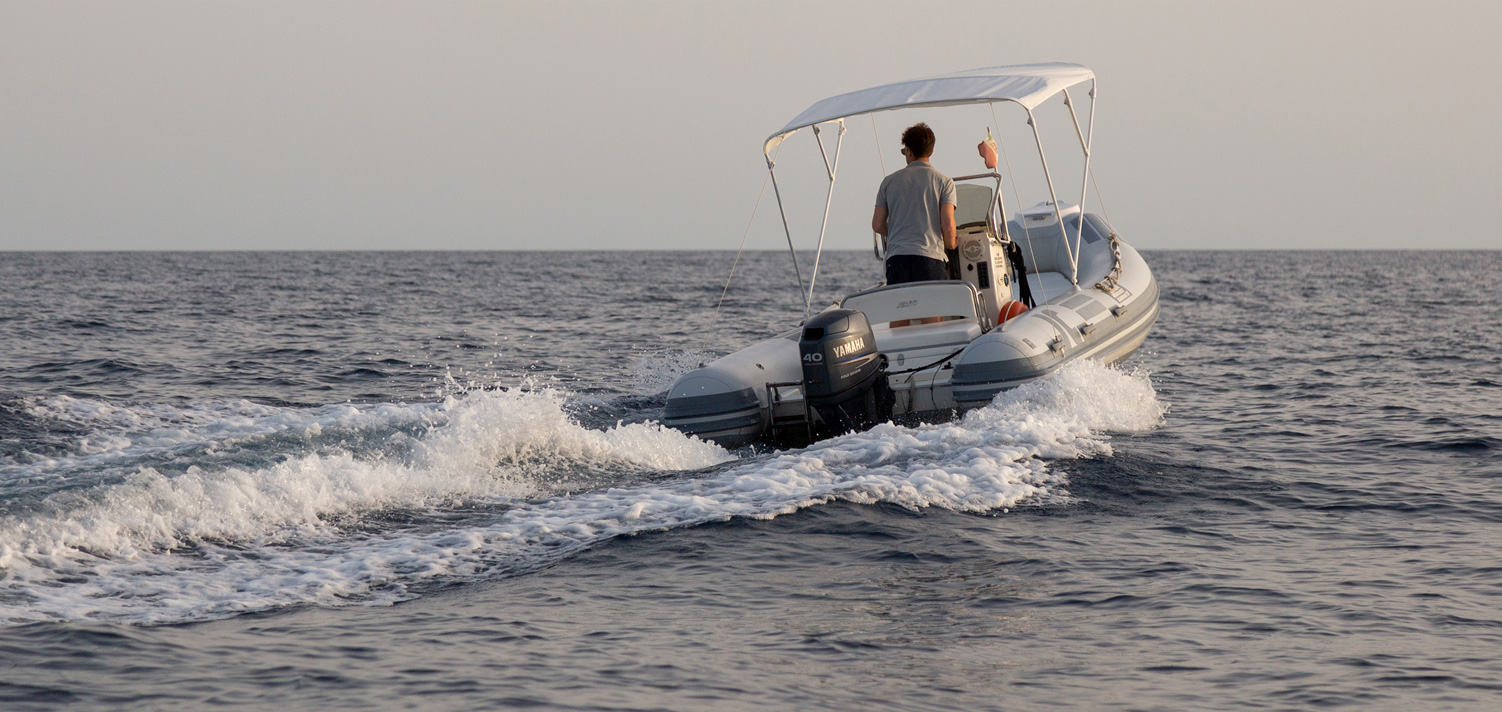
<point>997,209</point>
<point>771,169</point>
<point>1069,102</point>
<point>1073,261</point>
<point>1085,143</point>
<point>1086,138</point>
<point>808,300</point>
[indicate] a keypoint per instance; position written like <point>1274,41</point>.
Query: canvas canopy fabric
<point>1026,84</point>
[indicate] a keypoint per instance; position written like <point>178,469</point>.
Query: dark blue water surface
<point>434,480</point>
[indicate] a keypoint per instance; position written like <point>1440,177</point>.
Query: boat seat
<point>955,301</point>
<point>917,300</point>
<point>923,340</point>
<point>1047,257</point>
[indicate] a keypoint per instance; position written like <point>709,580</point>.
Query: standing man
<point>915,212</point>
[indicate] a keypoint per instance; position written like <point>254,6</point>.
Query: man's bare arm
<point>946,221</point>
<point>879,221</point>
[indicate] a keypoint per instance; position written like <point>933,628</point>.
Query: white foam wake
<point>160,548</point>
<point>656,372</point>
<point>116,434</point>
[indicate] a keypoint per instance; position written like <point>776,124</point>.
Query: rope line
<point>716,320</point>
<point>1016,196</point>
<point>1109,282</point>
<point>1104,213</point>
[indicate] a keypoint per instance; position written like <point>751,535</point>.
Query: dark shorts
<point>915,268</point>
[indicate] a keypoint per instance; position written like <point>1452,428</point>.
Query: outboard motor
<point>844,378</point>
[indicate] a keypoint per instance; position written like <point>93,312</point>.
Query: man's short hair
<point>919,139</point>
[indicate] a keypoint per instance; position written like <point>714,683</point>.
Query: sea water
<point>436,480</point>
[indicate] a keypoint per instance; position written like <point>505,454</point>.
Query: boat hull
<point>1011,356</point>
<point>727,401</point>
<point>754,394</point>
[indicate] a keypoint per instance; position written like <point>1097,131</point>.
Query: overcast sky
<point>495,125</point>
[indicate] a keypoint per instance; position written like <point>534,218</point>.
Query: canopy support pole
<point>876,240</point>
<point>1074,263</point>
<point>1085,142</point>
<point>771,170</point>
<point>1068,101</point>
<point>808,300</point>
<point>1042,295</point>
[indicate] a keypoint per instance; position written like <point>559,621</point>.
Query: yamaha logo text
<point>850,347</point>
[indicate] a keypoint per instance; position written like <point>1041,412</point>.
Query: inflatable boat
<point>1028,294</point>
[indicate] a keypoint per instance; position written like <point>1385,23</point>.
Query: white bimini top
<point>1025,84</point>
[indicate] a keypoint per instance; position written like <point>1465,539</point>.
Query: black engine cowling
<point>844,378</point>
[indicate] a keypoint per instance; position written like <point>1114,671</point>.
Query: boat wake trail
<point>655,372</point>
<point>169,515</point>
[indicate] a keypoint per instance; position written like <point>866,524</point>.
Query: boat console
<point>982,253</point>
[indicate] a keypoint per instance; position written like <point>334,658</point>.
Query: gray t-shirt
<point>912,197</point>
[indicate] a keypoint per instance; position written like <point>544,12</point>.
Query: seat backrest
<point>1039,246</point>
<point>1044,250</point>
<point>915,300</point>
<point>1095,249</point>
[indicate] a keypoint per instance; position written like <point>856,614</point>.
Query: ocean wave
<point>311,529</point>
<point>654,373</point>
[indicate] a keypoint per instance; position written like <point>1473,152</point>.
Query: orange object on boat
<point>987,149</point>
<point>1010,310</point>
